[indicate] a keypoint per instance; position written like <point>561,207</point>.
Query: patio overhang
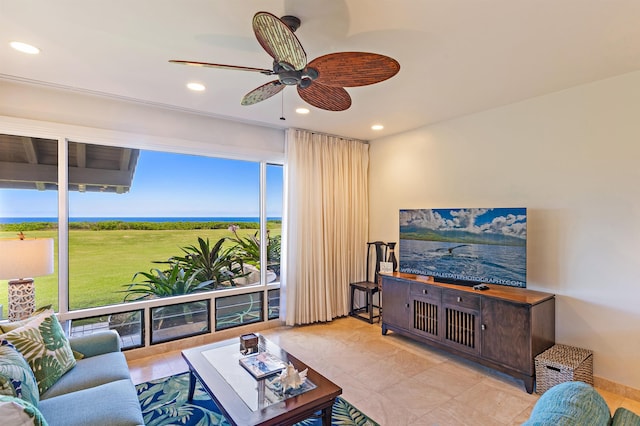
<point>32,163</point>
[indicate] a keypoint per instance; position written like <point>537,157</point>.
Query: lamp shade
<point>28,258</point>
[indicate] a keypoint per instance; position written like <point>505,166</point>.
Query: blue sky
<point>164,185</point>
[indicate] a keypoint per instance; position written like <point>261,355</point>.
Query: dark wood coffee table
<point>246,401</point>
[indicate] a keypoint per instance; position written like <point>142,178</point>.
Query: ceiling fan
<point>321,82</point>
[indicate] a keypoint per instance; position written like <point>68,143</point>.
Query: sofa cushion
<point>624,417</point>
<point>16,377</point>
<point>45,347</point>
<point>111,404</point>
<point>90,372</point>
<point>569,404</point>
<point>97,343</point>
<point>18,412</point>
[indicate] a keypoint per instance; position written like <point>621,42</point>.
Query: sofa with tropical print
<point>48,379</point>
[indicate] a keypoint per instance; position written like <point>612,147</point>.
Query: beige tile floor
<point>392,379</point>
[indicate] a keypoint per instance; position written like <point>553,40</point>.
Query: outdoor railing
<point>149,322</point>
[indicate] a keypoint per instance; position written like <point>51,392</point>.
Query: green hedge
<point>110,225</point>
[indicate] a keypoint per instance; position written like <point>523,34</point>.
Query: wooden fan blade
<point>277,39</point>
<point>352,69</point>
<point>263,92</point>
<point>325,97</point>
<point>222,66</point>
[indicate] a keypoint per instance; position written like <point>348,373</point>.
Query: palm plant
<point>172,282</point>
<point>249,247</point>
<point>215,263</point>
<point>273,252</point>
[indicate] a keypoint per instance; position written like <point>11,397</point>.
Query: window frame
<point>65,133</point>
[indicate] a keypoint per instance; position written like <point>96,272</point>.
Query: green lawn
<point>101,263</point>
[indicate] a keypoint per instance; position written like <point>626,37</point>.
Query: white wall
<point>143,126</point>
<point>572,158</point>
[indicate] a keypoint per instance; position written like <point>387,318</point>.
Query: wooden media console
<point>503,328</point>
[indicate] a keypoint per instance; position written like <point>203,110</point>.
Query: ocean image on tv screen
<point>466,245</point>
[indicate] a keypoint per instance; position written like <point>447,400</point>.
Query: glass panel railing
<point>241,309</point>
<point>129,326</point>
<point>170,322</point>
<point>273,296</point>
<point>178,321</point>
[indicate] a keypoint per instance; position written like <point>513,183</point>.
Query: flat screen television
<point>465,246</point>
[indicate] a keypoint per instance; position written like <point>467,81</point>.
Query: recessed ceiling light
<point>24,47</point>
<point>377,127</point>
<point>197,87</point>
<point>302,110</point>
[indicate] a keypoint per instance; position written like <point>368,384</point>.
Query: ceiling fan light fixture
<point>196,87</point>
<point>290,78</point>
<point>377,127</point>
<point>24,47</point>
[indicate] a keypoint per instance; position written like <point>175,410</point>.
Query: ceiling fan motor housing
<point>294,77</point>
<point>292,22</point>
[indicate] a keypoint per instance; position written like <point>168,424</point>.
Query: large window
<point>142,224</point>
<point>275,178</point>
<point>29,203</point>
<point>145,224</point>
<point>274,204</point>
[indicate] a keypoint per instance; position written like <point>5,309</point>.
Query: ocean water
<point>495,264</point>
<point>4,220</point>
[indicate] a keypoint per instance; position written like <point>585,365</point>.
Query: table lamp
<point>19,259</point>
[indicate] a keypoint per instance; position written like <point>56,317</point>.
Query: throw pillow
<point>624,417</point>
<point>16,377</point>
<point>570,403</point>
<point>18,412</point>
<point>45,347</point>
<point>6,327</point>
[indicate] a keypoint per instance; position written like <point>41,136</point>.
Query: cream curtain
<point>327,224</point>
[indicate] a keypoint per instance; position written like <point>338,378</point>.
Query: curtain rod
<point>329,134</point>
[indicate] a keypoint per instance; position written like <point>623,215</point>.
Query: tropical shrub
<point>218,264</point>
<point>249,249</point>
<point>204,267</point>
<point>172,282</point>
<point>273,253</point>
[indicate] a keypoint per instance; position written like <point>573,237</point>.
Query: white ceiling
<point>456,56</point>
